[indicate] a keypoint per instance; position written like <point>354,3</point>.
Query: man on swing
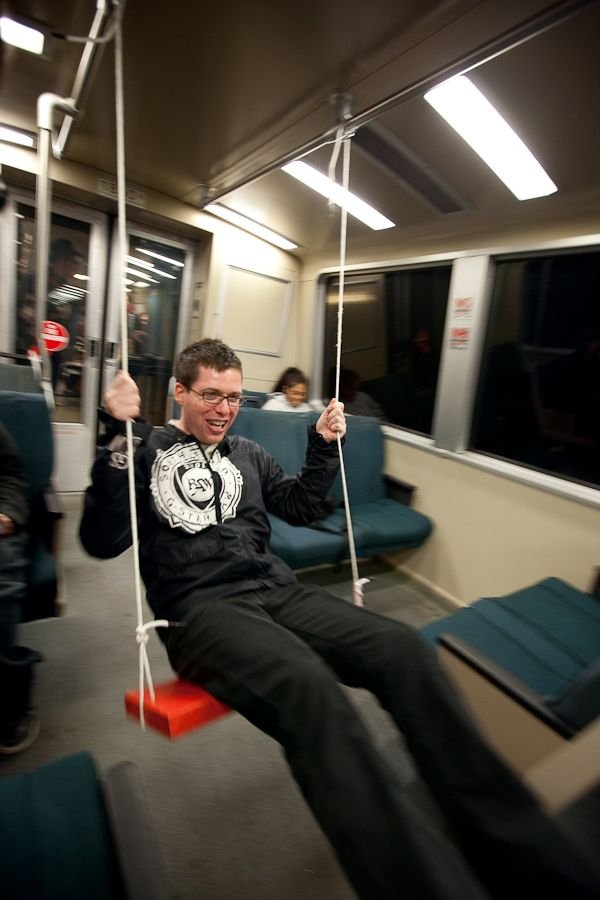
<point>275,650</point>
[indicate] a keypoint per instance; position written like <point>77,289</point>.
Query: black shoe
<point>18,736</point>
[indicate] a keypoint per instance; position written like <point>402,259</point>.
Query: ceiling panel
<point>219,93</point>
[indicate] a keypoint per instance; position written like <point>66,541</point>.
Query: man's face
<point>209,422</point>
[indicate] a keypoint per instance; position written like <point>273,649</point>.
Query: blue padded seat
<point>54,835</point>
<point>578,703</point>
<point>380,524</point>
<point>303,548</point>
<point>282,434</point>
<point>27,418</point>
<point>255,399</point>
<point>66,833</point>
<point>546,635</point>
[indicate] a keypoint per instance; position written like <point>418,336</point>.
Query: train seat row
<point>382,520</point>
<point>528,667</point>
<point>546,637</point>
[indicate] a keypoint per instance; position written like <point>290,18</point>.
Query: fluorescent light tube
<point>471,114</point>
<point>12,136</point>
<point>141,275</point>
<point>146,265</point>
<point>319,182</point>
<point>261,231</point>
<point>167,259</point>
<point>22,36</point>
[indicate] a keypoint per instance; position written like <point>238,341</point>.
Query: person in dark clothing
<point>275,650</point>
<point>18,724</point>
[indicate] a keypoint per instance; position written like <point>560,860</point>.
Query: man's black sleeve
<point>300,500</point>
<point>105,528</point>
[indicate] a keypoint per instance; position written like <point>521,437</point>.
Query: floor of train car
<point>230,820</point>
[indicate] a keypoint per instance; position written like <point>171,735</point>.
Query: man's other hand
<point>332,421</point>
<point>122,398</point>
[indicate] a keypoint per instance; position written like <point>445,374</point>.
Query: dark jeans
<point>276,656</point>
<point>13,567</point>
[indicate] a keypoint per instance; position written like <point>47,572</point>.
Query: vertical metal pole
<point>42,239</point>
<point>46,105</point>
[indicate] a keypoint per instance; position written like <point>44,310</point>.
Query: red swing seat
<point>178,707</point>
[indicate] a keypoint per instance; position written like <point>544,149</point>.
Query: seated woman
<point>289,394</point>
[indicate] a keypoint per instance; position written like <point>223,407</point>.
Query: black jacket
<point>192,546</point>
<point>13,498</point>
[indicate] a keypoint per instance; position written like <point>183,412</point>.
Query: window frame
<point>454,408</point>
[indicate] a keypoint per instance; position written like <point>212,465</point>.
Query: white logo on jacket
<point>183,488</point>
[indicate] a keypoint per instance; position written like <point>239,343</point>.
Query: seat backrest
<point>363,461</point>
<point>283,435</point>
<point>255,399</point>
<point>54,834</point>
<point>65,832</point>
<point>14,377</point>
<point>27,418</point>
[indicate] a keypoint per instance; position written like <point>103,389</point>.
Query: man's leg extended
<point>514,848</point>
<point>235,649</point>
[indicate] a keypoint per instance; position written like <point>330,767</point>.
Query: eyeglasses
<point>214,398</point>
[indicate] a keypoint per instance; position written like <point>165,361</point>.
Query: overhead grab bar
<point>89,56</point>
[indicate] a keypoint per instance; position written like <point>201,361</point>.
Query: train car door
<point>77,263</point>
<point>158,287</point>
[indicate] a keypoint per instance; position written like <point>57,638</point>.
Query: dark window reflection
<point>393,332</point>
<point>154,274</point>
<point>539,397</point>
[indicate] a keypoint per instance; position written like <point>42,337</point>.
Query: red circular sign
<point>55,336</point>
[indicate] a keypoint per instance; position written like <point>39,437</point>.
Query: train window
<point>154,284</point>
<point>538,401</point>
<point>66,309</point>
<point>393,332</point>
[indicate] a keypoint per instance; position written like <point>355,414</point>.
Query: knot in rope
<point>141,636</point>
<point>357,591</point>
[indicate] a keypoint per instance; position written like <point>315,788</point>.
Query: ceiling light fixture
<point>319,182</point>
<point>261,231</point>
<point>15,136</point>
<point>471,114</point>
<point>25,37</point>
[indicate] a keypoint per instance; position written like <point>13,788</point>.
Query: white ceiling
<point>215,94</point>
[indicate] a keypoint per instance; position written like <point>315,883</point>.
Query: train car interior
<point>302,182</point>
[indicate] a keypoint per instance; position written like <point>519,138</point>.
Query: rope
<point>357,582</point>
<point>142,629</point>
